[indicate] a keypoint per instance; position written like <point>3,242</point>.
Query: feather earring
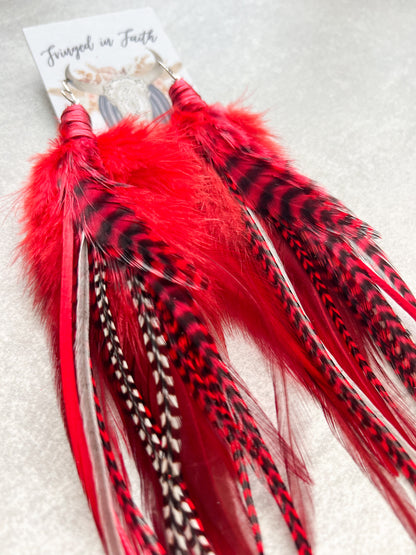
<point>338,273</point>
<point>130,266</point>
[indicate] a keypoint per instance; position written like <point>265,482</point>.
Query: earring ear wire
<point>67,92</point>
<point>163,66</point>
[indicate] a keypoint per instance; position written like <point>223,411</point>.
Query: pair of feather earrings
<point>142,246</point>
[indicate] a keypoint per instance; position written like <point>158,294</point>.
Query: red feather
<point>318,239</point>
<point>162,264</point>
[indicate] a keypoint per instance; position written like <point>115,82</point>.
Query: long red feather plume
<point>135,267</point>
<point>330,257</point>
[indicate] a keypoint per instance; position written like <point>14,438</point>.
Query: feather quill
<point>88,407</point>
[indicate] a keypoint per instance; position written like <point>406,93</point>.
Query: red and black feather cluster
<point>187,229</point>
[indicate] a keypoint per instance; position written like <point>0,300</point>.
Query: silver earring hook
<point>163,66</point>
<point>67,93</point>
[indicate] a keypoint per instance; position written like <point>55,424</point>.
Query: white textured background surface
<point>338,80</point>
